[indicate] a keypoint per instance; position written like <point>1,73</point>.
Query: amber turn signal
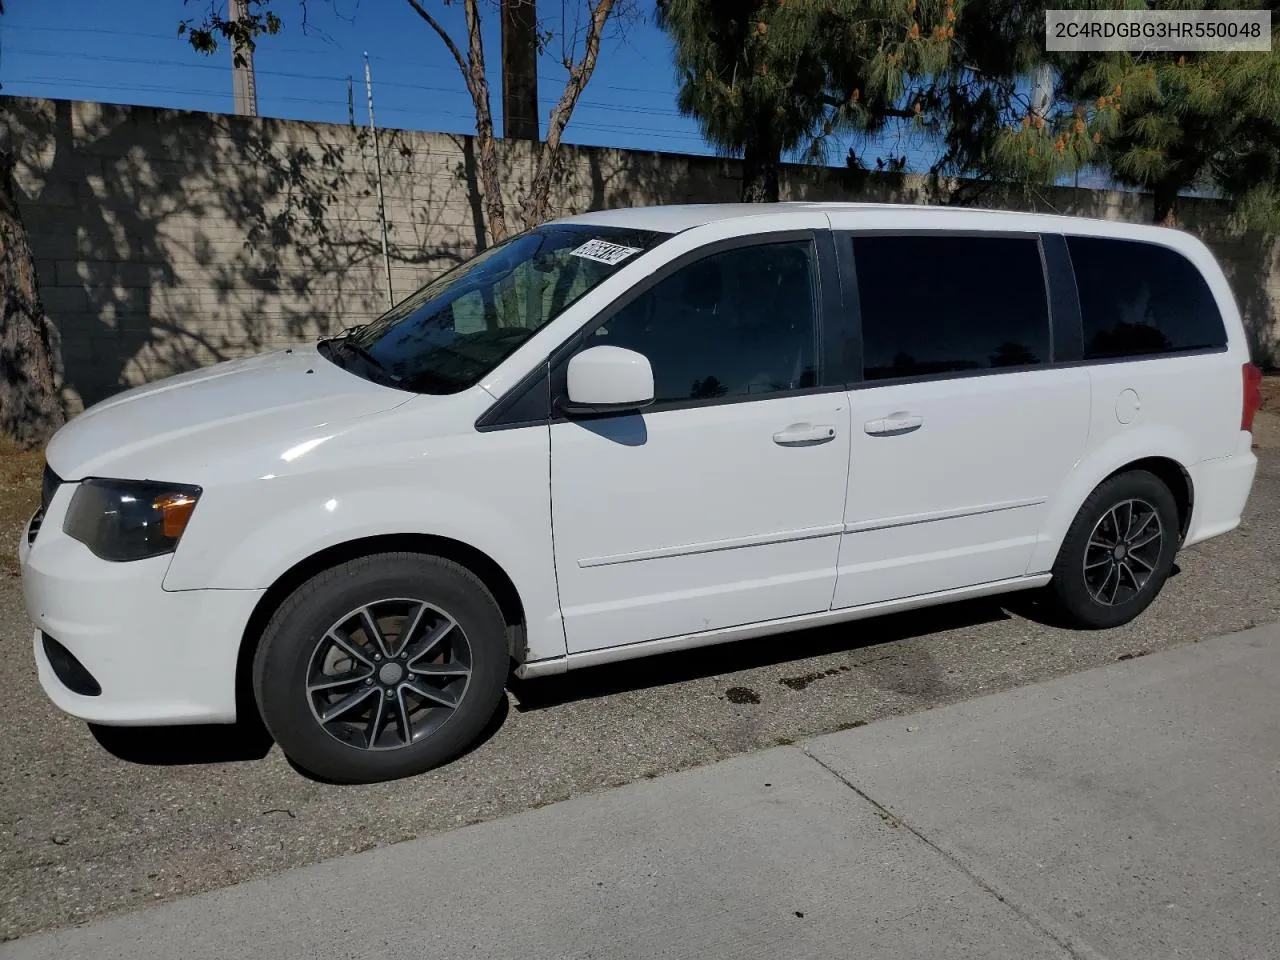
<point>175,510</point>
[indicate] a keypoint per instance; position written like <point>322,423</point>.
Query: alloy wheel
<point>1123,552</point>
<point>388,674</point>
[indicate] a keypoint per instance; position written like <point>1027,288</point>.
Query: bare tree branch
<point>444,35</point>
<point>537,202</point>
<point>475,47</point>
<point>473,74</point>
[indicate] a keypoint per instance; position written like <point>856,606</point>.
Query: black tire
<point>286,661</point>
<point>1079,594</point>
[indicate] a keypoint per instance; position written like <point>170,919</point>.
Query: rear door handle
<point>805,435</point>
<point>894,425</point>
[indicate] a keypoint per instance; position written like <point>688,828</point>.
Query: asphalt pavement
<point>1124,812</point>
<point>85,832</point>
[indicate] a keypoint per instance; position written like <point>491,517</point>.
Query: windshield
<point>453,331</point>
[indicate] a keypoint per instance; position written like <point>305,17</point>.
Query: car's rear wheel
<point>1118,552</point>
<point>381,667</point>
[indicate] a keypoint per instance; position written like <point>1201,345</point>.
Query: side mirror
<point>608,380</point>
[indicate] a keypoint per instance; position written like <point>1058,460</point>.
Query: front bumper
<point>160,657</point>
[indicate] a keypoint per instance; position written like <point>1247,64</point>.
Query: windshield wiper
<point>340,346</point>
<point>348,331</point>
<point>348,346</point>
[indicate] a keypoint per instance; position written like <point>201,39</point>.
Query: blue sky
<point>128,51</point>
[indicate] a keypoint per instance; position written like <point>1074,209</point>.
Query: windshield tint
<point>453,331</point>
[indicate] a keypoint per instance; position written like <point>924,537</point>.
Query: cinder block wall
<point>166,240</point>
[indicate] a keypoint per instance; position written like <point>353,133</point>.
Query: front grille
<point>68,669</point>
<point>49,484</point>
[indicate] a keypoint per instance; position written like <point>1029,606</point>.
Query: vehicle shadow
<point>669,668</point>
<point>185,745</point>
<point>222,743</point>
<point>249,739</point>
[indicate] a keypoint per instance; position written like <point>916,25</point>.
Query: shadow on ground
<point>727,658</point>
<point>221,743</point>
<point>185,745</point>
<point>249,740</point>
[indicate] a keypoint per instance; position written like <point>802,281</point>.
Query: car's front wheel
<point>381,667</point>
<point>1118,552</point>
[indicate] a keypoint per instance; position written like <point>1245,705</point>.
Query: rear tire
<point>382,667</point>
<point>1117,553</point>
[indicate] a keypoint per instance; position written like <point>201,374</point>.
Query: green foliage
<point>1165,123</point>
<point>749,69</point>
<point>764,77</point>
<point>1172,122</point>
<point>218,24</point>
<point>981,112</point>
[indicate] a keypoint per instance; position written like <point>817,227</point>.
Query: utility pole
<point>243,86</point>
<point>520,69</point>
<point>377,160</point>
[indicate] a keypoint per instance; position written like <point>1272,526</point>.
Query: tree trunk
<point>1165,198</point>
<point>472,67</point>
<point>478,84</point>
<point>760,164</point>
<point>495,213</point>
<point>30,408</point>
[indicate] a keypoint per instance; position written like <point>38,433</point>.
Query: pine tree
<point>1163,123</point>
<point>991,129</point>
<point>1168,123</point>
<point>749,72</point>
<point>958,72</point>
<point>768,77</point>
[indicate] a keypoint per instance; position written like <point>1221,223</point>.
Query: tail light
<point>1252,396</point>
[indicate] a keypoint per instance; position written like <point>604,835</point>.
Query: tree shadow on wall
<point>167,240</point>
<point>1250,262</point>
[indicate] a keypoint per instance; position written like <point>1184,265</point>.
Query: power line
<point>293,75</point>
<point>546,67</point>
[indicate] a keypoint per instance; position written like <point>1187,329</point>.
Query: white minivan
<point>637,431</point>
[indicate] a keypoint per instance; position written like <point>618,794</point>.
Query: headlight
<point>129,519</point>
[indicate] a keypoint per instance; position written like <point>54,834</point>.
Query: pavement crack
<point>1063,939</point>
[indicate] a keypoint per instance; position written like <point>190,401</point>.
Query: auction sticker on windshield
<point>602,251</point>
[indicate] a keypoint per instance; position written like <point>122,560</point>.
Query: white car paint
<point>627,536</point>
<point>661,531</point>
<point>961,499</point>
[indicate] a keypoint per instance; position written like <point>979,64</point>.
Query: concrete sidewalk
<point>1127,812</point>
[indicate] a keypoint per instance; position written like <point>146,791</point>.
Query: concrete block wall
<point>166,240</point>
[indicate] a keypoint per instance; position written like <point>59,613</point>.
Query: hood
<point>212,415</point>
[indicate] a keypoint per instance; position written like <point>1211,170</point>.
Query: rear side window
<point>1138,299</point>
<point>949,304</point>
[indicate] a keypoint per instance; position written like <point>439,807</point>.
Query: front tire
<point>1117,553</point>
<point>382,667</point>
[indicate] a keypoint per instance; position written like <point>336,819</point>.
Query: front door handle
<point>805,435</point>
<point>894,425</point>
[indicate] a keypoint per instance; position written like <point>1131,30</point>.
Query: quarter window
<point>934,305</point>
<point>1140,298</point>
<point>742,323</point>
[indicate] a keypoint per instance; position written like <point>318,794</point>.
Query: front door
<point>962,430</point>
<point>721,503</point>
